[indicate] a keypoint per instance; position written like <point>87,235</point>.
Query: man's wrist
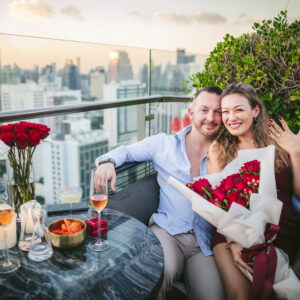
<point>104,160</point>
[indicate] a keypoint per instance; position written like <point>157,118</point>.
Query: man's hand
<point>106,170</point>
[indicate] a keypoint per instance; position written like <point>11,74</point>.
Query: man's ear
<point>190,112</point>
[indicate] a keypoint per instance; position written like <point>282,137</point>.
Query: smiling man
<point>185,237</point>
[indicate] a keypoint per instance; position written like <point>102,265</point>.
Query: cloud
<point>175,18</point>
<point>30,10</point>
<point>72,12</point>
<point>138,17</point>
<point>210,18</point>
<point>203,17</point>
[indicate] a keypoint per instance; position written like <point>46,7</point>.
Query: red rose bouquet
<point>244,207</point>
<point>22,138</point>
<point>234,188</point>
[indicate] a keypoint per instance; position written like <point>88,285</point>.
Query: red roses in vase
<point>234,188</point>
<point>22,138</point>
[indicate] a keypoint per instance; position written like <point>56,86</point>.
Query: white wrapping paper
<point>247,227</point>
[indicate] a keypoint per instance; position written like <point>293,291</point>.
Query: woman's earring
<point>254,123</point>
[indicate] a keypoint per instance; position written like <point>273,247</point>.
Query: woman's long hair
<point>227,144</point>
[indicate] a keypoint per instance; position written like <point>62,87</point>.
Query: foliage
<point>268,59</point>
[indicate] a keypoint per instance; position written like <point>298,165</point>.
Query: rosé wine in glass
<point>99,198</point>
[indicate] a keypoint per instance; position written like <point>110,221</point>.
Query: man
<point>184,235</point>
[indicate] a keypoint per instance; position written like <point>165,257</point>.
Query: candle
<point>11,235</point>
<point>27,223</point>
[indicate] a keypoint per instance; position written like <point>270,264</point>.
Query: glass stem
<point>70,209</point>
<point>99,228</point>
<point>6,258</point>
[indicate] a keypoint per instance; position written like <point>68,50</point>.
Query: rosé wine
<point>6,215</point>
<point>99,201</point>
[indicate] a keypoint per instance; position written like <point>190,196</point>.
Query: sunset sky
<point>160,24</point>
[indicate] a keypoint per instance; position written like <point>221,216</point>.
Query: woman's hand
<point>284,137</point>
<point>236,252</point>
<point>214,162</point>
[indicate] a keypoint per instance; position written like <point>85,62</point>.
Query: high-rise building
<point>182,58</point>
<point>97,79</point>
<point>69,160</point>
<point>119,67</point>
<point>121,123</point>
<point>71,78</point>
<point>22,96</point>
<point>8,75</point>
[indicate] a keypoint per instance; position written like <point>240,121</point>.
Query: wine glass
<point>7,212</point>
<point>70,194</point>
<point>98,197</point>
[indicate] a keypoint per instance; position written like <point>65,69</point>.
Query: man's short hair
<point>210,89</point>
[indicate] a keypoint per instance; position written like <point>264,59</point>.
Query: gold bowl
<point>66,241</point>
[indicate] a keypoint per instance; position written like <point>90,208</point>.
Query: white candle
<point>26,219</point>
<point>11,235</point>
<point>26,215</point>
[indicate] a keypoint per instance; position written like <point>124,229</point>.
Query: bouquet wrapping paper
<point>247,227</point>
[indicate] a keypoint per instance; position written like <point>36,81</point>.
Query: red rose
<point>235,197</point>
<point>20,128</point>
<point>199,185</point>
<point>8,138</point>
<point>34,138</point>
<point>240,185</point>
<point>246,177</point>
<point>22,140</point>
<point>7,128</point>
<point>251,167</point>
<point>230,181</point>
<point>219,193</point>
<point>43,130</point>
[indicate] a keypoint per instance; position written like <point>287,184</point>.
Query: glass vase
<point>21,190</point>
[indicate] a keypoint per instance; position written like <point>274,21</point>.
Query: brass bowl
<point>66,241</point>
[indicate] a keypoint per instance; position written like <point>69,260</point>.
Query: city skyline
<point>194,25</point>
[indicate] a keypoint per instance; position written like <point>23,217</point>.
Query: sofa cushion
<point>139,199</point>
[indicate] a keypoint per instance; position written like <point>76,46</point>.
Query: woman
<point>244,118</point>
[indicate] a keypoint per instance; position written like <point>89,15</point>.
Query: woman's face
<point>237,115</point>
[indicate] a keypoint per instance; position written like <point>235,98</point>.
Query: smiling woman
<point>238,115</point>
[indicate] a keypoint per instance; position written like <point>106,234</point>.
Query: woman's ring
<point>278,135</point>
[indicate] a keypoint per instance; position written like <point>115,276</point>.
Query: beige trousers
<point>183,256</point>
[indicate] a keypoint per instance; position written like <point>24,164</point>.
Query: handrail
<point>83,107</point>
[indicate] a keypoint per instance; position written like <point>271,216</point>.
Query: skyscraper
<point>119,67</point>
<point>98,79</point>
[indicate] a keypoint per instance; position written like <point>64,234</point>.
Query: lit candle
<point>11,235</point>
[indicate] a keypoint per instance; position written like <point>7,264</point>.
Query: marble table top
<point>132,268</point>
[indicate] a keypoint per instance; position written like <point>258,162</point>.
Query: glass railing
<point>93,97</point>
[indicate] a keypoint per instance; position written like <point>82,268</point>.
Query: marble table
<point>131,269</point>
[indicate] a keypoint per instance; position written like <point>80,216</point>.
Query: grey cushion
<point>139,199</point>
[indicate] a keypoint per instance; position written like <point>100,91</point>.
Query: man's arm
<point>140,151</point>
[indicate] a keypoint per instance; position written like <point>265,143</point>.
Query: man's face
<point>205,114</point>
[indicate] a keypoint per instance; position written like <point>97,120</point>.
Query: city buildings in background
<point>76,140</point>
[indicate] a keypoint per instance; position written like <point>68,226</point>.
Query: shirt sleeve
<point>140,151</point>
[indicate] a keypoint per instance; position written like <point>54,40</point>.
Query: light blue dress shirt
<point>168,156</point>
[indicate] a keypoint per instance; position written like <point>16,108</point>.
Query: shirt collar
<point>180,135</point>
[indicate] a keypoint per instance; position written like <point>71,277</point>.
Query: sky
<point>194,25</point>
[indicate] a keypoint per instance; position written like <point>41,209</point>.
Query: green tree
<point>268,59</point>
